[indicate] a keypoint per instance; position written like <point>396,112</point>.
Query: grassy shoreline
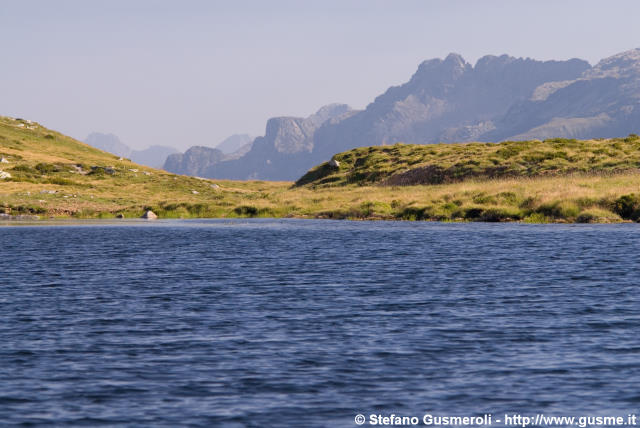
<point>570,199</point>
<point>54,176</point>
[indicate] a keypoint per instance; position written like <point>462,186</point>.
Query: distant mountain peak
<point>623,64</point>
<point>449,100</point>
<point>452,67</point>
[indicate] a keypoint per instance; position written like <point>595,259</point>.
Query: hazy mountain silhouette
<point>283,152</point>
<point>449,100</point>
<point>197,159</point>
<point>235,143</point>
<point>153,156</point>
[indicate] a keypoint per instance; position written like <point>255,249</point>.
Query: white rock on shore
<point>149,215</point>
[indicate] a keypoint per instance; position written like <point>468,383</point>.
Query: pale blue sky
<point>182,73</point>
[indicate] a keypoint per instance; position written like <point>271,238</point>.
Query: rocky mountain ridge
<point>449,100</point>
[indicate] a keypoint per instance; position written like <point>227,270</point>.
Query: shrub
<point>558,210</point>
<point>61,181</point>
<point>500,214</point>
<point>492,214</point>
<point>415,213</point>
<point>536,218</point>
<point>24,168</point>
<point>508,151</point>
<point>597,216</point>
<point>247,210</point>
<point>47,168</point>
<point>482,198</point>
<point>627,207</point>
<point>473,213</point>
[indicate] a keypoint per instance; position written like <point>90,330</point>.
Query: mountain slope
<point>603,102</point>
<point>46,173</point>
<point>445,101</point>
<point>284,151</point>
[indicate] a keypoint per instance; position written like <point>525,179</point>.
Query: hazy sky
<point>182,72</point>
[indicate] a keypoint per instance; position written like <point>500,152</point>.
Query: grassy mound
<point>410,164</point>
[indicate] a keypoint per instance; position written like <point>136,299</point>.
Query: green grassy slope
<point>409,164</point>
<point>54,175</point>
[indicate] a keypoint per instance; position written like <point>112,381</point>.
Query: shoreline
<point>22,220</point>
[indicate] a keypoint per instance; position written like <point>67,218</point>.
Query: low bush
<point>246,210</point>
<point>596,215</point>
<point>47,168</point>
<point>628,207</point>
<point>415,213</point>
<point>559,209</point>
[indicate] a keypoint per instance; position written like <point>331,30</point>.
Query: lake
<point>309,323</point>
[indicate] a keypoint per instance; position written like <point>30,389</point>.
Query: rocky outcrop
<point>284,151</point>
<point>149,215</point>
<point>194,161</point>
<point>603,102</point>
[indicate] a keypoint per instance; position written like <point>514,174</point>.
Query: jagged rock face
<point>446,100</point>
<point>603,102</point>
<point>194,161</point>
<point>290,134</point>
<point>284,150</point>
<point>293,135</point>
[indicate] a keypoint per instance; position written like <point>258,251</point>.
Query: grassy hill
<point>411,164</point>
<point>51,175</point>
<point>55,175</point>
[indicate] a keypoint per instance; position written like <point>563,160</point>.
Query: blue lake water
<point>308,323</point>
